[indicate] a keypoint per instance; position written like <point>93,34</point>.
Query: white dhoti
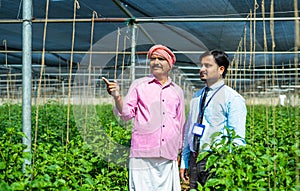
<point>153,174</point>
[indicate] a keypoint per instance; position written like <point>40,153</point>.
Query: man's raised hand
<point>112,88</point>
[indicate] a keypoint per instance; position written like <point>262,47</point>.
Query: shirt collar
<point>153,79</point>
<point>216,85</point>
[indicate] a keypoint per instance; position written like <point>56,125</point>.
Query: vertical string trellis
<point>273,84</point>
<point>89,72</point>
<point>123,63</point>
<point>252,82</point>
<point>245,60</point>
<point>117,53</point>
<point>256,6</point>
<point>237,59</point>
<point>45,85</point>
<point>8,75</point>
<point>266,85</point>
<point>40,83</point>
<point>75,7</point>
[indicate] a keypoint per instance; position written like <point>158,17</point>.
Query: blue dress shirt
<point>223,107</point>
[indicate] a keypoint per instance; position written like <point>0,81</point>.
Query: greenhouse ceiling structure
<point>111,38</point>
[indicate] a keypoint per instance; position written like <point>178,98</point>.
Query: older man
<point>157,106</point>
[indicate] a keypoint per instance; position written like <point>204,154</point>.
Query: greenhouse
<point>59,129</point>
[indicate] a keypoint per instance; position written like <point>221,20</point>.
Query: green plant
<point>268,161</point>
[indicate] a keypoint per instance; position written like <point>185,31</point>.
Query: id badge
<point>198,129</point>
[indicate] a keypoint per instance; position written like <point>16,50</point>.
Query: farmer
<point>211,109</point>
<point>157,106</point>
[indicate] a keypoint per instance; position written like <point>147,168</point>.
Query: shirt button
<point>163,139</point>
<point>163,100</point>
<point>163,125</point>
<point>163,113</point>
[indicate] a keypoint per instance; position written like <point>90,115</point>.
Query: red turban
<point>164,52</point>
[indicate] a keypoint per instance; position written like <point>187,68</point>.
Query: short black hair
<point>220,57</point>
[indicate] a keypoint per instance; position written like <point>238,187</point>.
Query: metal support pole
<point>63,88</point>
<point>184,86</point>
<point>179,81</point>
<point>35,90</point>
<point>133,28</point>
<point>26,77</point>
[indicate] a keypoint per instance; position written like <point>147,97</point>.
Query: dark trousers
<point>197,171</point>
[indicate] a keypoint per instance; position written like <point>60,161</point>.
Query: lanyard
<point>201,111</point>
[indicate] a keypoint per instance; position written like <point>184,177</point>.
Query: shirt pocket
<point>170,105</point>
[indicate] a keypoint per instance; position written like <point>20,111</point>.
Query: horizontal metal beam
<point>247,80</point>
<point>144,52</point>
<point>147,20</point>
<point>222,19</point>
<point>243,69</point>
<point>34,20</point>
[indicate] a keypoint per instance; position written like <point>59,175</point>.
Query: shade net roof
<point>261,39</point>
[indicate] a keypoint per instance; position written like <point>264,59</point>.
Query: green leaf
<point>18,186</point>
<point>4,186</point>
<point>2,165</point>
<point>211,161</point>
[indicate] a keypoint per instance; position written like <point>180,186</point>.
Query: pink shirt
<point>159,117</point>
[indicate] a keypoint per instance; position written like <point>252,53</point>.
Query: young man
<point>211,109</point>
<point>157,106</point>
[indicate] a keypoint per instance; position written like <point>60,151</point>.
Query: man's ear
<point>222,69</point>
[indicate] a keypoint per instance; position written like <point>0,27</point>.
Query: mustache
<point>157,66</point>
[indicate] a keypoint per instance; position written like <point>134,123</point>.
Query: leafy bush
<point>56,163</point>
<point>84,162</point>
<point>267,162</point>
